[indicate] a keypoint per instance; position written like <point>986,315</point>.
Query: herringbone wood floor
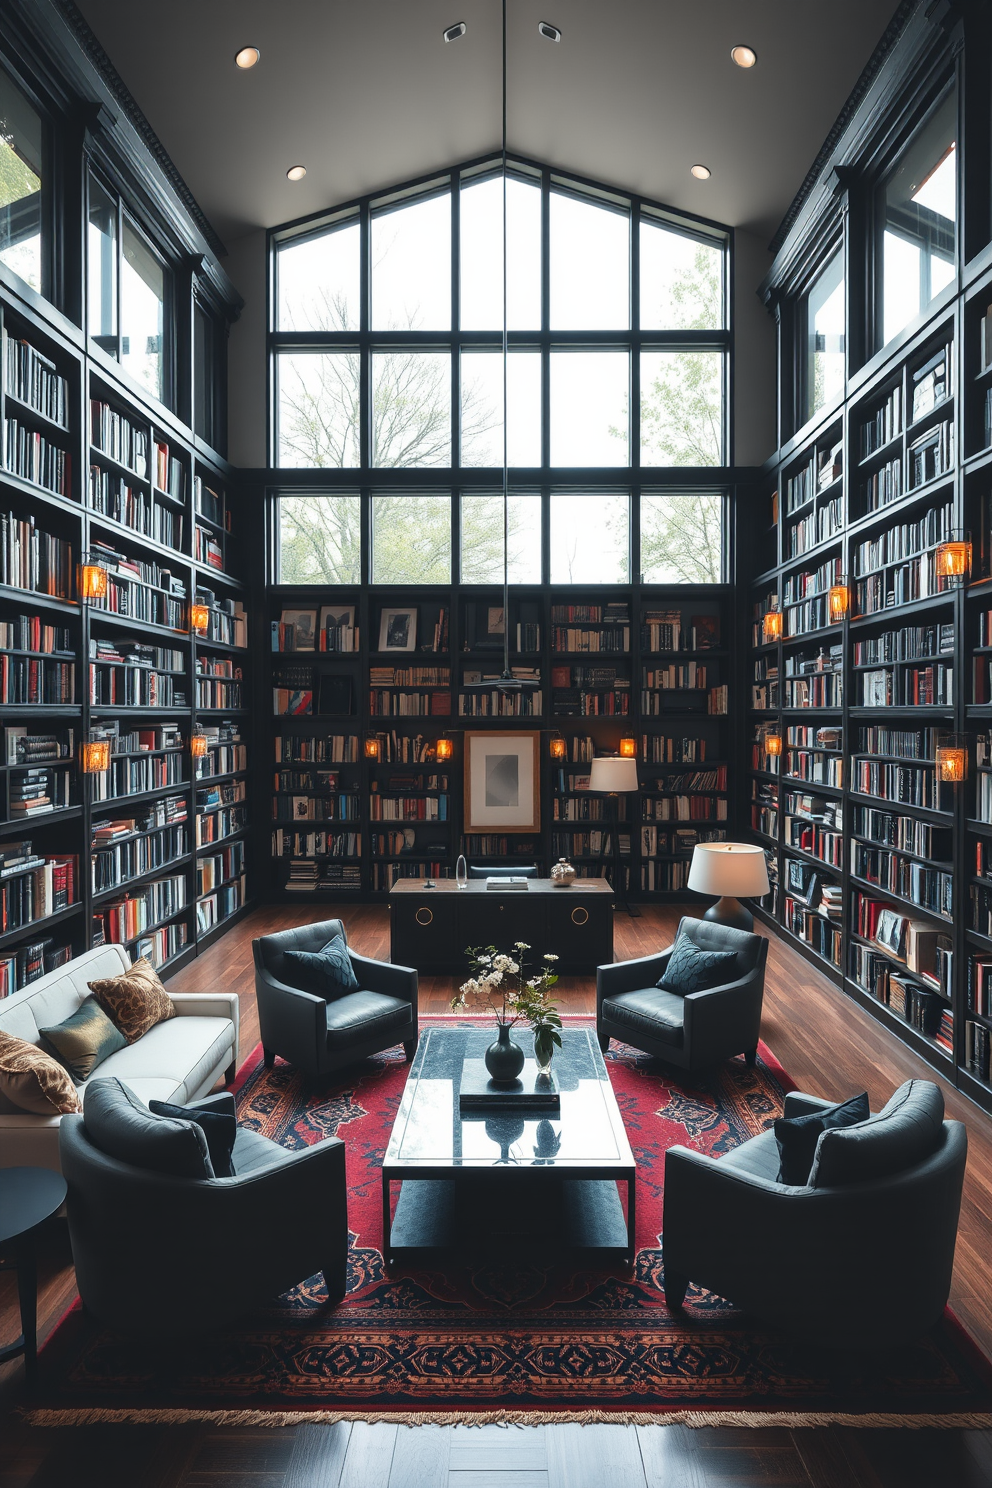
<point>827,1044</point>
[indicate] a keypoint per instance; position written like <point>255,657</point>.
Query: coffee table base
<point>435,1215</point>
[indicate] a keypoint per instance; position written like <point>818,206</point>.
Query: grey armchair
<point>318,1036</point>
<point>861,1255</point>
<point>699,1029</point>
<point>168,1257</point>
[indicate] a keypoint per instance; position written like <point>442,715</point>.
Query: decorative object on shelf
<point>371,747</point>
<point>444,749</point>
<point>772,743</point>
<point>953,559</point>
<point>611,775</point>
<point>628,748</point>
<point>398,629</point>
<point>199,617</point>
<point>500,981</point>
<point>563,874</point>
<point>557,748</point>
<point>94,756</point>
<point>93,579</point>
<point>771,626</point>
<point>198,745</point>
<point>838,600</point>
<point>732,871</point>
<point>461,872</point>
<point>502,782</point>
<point>951,756</point>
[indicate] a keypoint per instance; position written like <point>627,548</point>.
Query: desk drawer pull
<point>580,916</point>
<point>424,916</point>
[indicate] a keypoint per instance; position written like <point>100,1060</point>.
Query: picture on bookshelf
<point>398,630</point>
<point>337,628</point>
<point>502,782</point>
<point>303,624</point>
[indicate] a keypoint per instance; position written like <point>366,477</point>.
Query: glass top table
<point>498,1172</point>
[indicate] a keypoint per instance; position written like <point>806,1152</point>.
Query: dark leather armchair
<point>503,870</point>
<point>318,1036</point>
<point>169,1257</point>
<point>694,1031</point>
<point>861,1255</point>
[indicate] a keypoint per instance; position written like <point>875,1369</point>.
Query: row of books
<point>33,887</point>
<point>295,781</point>
<point>133,507</point>
<point>498,704</point>
<point>207,548</point>
<point>882,486</point>
<point>667,630</point>
<point>27,963</point>
<point>390,704</point>
<point>592,844</point>
<point>822,523</point>
<point>215,695</point>
<point>932,454</point>
<point>930,888</point>
<point>135,775</point>
<point>36,458</point>
<point>32,559</point>
<point>655,842</point>
<point>814,766</point>
<point>909,643</point>
<point>909,687</point>
<point>912,785</point>
<point>343,807</point>
<point>37,792</point>
<point>115,865</point>
<point>407,808</point>
<point>218,868</point>
<point>216,825</point>
<point>910,582</point>
<point>902,743</point>
<point>332,748</point>
<point>906,833</point>
<point>667,749</point>
<point>312,844</point>
<point>31,679</point>
<point>219,905</point>
<point>664,878</point>
<point>904,540</point>
<point>578,638</point>
<point>884,424</point>
<point>124,919</point>
<point>162,945</point>
<point>813,929</point>
<point>35,379</point>
<point>210,504</point>
<point>120,437</point>
<point>684,808</point>
<point>168,471</point>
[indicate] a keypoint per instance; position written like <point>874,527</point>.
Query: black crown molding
<point>888,40</point>
<point>125,99</point>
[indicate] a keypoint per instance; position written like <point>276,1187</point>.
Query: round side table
<point>28,1196</point>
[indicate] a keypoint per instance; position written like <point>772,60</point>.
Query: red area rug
<point>520,1338</point>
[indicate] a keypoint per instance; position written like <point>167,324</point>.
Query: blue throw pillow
<point>219,1127</point>
<point>797,1136</point>
<point>690,969</point>
<point>327,973</point>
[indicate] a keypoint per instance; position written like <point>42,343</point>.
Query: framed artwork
<point>337,626</point>
<point>304,623</point>
<point>398,630</point>
<point>502,782</point>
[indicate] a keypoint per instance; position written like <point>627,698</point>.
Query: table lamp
<point>609,775</point>
<point>731,870</point>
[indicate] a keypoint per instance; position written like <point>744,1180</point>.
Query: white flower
<point>534,982</point>
<point>484,960</point>
<point>502,963</point>
<point>469,988</point>
<point>549,957</point>
<point>521,945</point>
<point>493,979</point>
<point>513,967</point>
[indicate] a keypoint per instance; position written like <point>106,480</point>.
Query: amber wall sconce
<point>557,748</point>
<point>953,559</point>
<point>199,618</point>
<point>771,626</point>
<point>372,749</point>
<point>628,748</point>
<point>773,744</point>
<point>951,756</point>
<point>198,745</point>
<point>92,581</point>
<point>444,749</point>
<point>838,602</point>
<point>94,756</point>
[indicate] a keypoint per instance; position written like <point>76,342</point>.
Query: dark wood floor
<point>827,1044</point>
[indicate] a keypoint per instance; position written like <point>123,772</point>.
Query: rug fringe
<point>795,1420</point>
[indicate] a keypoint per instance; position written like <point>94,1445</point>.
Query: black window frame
<point>53,286</point>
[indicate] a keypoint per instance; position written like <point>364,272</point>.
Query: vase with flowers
<point>500,981</point>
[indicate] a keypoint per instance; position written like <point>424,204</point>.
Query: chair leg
<point>604,1042</point>
<point>751,1057</point>
<point>409,1048</point>
<point>676,1287</point>
<point>336,1283</point>
<point>230,1072</point>
<point>268,1057</point>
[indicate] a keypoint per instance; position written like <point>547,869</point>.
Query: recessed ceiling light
<point>701,172</point>
<point>551,33</point>
<point>297,172</point>
<point>744,56</point>
<point>452,33</point>
<point>247,57</point>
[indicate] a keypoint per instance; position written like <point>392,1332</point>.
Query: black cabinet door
<point>500,920</point>
<point>580,931</point>
<point>422,932</point>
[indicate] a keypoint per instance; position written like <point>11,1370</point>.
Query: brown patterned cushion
<point>33,1081</point>
<point>135,1000</point>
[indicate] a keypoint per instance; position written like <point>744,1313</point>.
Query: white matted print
<point>398,630</point>
<point>502,782</point>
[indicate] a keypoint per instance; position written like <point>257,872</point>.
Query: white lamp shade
<point>611,773</point>
<point>734,869</point>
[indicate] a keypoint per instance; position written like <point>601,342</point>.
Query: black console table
<point>430,928</point>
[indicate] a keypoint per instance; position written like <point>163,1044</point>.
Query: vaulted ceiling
<point>368,94</point>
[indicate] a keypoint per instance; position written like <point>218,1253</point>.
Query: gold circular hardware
<point>424,916</point>
<point>580,916</point>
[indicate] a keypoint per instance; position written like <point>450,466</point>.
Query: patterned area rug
<point>518,1337</point>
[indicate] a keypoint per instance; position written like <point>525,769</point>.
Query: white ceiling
<point>367,94</point>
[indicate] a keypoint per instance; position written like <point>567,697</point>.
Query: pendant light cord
<point>506,473</point>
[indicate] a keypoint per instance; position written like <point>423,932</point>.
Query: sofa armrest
<point>211,1005</point>
<point>799,1104</point>
<point>223,1103</point>
<point>628,976</point>
<point>383,976</point>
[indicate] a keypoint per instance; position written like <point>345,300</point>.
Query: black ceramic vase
<point>504,1058</point>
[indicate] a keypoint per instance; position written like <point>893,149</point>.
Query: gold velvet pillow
<point>135,1001</point>
<point>33,1081</point>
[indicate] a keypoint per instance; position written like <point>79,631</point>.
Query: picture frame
<point>502,782</point>
<point>398,628</point>
<point>340,616</point>
<point>304,623</point>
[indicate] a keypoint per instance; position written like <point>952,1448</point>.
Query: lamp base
<point>731,912</point>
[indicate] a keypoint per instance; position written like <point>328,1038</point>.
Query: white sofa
<point>179,1060</point>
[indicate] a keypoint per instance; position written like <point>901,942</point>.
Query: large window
<point>388,376</point>
<point>824,329</point>
<point>21,184</point>
<point>128,293</point>
<point>917,207</point>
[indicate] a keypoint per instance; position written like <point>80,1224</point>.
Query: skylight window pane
<point>411,267</point>
<point>320,539</point>
<point>482,538</point>
<point>482,408</point>
<point>481,215</point>
<point>681,281</point>
<point>681,539</point>
<point>590,538</point>
<point>411,409</point>
<point>411,539</point>
<point>590,393</point>
<point>682,414</point>
<point>319,282</point>
<point>319,420</point>
<point>590,266</point>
